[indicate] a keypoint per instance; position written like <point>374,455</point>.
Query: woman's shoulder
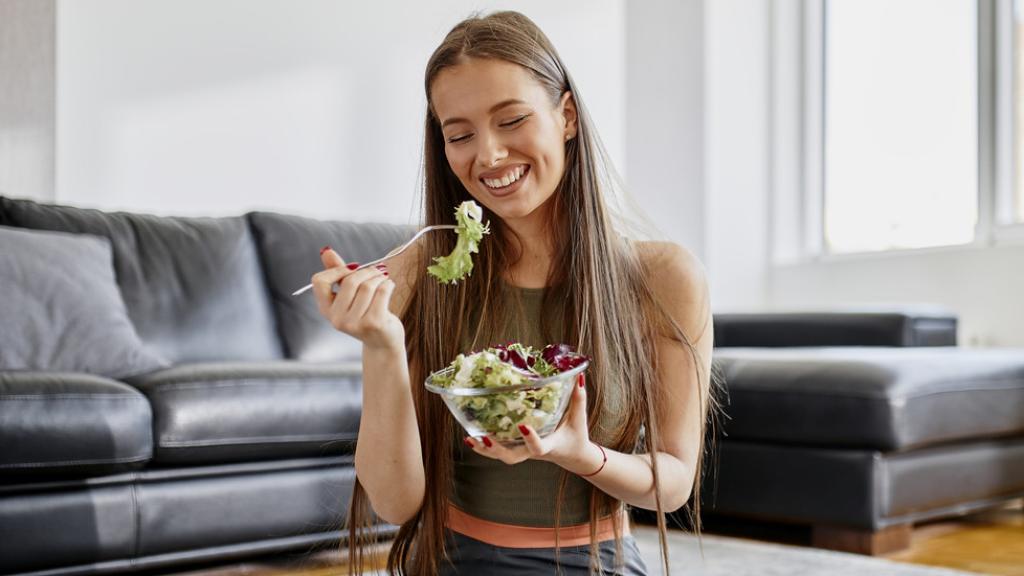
<point>678,280</point>
<point>668,261</point>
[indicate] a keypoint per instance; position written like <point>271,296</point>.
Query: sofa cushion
<point>226,412</point>
<point>193,286</point>
<point>906,326</point>
<point>289,247</point>
<point>61,308</point>
<point>54,423</point>
<point>881,398</point>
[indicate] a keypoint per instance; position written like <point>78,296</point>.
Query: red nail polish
<point>352,265</point>
<point>487,442</point>
<point>467,442</point>
<point>580,380</point>
<point>525,431</point>
<point>324,249</point>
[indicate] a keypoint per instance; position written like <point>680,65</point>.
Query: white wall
<point>985,286</point>
<point>315,107</point>
<point>665,116</point>
<point>27,91</point>
<point>736,93</point>
<point>696,134</point>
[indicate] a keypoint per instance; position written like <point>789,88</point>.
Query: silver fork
<point>391,254</point>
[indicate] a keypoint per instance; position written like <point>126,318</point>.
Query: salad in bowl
<point>493,391</point>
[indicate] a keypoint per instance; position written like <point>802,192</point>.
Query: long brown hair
<point>610,311</point>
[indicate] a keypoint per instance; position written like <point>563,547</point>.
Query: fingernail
<point>524,430</point>
<point>579,380</point>
<point>324,249</point>
<point>487,442</point>
<point>352,265</point>
<point>467,442</point>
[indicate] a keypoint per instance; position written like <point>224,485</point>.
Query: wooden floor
<point>988,543</point>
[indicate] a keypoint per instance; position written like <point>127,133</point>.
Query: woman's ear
<point>568,107</point>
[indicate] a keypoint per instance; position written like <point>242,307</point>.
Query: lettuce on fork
<point>471,230</point>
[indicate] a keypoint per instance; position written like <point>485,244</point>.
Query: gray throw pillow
<point>60,308</point>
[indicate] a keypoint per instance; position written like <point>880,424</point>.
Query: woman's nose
<point>490,151</point>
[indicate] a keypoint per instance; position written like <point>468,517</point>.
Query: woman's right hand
<point>360,307</point>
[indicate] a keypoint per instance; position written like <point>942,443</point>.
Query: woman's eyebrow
<point>493,109</point>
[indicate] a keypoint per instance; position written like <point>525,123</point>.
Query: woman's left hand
<point>569,445</point>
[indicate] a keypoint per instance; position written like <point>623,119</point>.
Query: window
<point>1018,107</point>
<point>900,124</point>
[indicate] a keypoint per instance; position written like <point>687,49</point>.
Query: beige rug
<point>724,556</point>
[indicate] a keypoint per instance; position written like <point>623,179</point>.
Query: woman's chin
<point>512,207</point>
<point>512,212</point>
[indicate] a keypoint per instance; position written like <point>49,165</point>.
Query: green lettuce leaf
<point>471,230</point>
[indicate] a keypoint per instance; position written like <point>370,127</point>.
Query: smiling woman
<point>506,127</point>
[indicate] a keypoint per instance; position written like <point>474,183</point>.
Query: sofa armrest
<point>908,327</point>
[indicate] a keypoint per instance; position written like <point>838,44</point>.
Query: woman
<point>506,127</point>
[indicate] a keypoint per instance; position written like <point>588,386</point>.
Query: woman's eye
<point>509,124</point>
<point>516,121</point>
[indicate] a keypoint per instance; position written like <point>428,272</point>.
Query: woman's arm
<point>389,463</point>
<point>367,305</point>
<point>680,285</point>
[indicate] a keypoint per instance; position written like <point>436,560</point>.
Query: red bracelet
<point>604,455</point>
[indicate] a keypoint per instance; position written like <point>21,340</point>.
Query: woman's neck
<point>534,246</point>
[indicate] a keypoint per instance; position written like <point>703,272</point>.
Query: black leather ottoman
<point>861,442</point>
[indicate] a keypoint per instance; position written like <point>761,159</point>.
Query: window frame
<point>1000,29</point>
<point>797,125</point>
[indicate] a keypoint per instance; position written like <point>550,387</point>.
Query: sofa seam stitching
<point>73,397</point>
<point>137,518</point>
<point>41,463</point>
<point>1018,381</point>
<point>274,381</point>
<point>174,442</point>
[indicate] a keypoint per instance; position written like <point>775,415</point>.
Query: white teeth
<point>508,179</point>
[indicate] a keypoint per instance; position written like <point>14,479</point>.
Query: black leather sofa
<point>859,424</point>
<point>232,433</point>
<point>240,438</point>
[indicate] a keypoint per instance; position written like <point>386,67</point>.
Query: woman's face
<point>503,137</point>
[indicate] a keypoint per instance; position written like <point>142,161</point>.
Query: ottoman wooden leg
<point>883,541</point>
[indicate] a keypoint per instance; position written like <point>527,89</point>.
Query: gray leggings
<point>470,557</point>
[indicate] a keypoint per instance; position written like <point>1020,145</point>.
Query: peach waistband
<point>512,536</point>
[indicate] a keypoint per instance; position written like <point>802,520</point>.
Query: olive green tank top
<point>523,494</point>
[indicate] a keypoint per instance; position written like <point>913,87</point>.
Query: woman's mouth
<point>509,182</point>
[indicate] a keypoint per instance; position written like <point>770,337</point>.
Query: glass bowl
<point>497,412</point>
